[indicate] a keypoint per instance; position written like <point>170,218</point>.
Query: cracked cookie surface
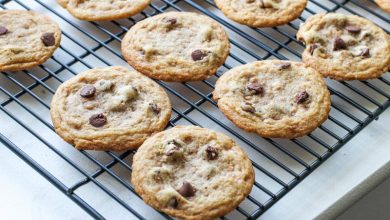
<point>276,99</point>
<point>384,4</point>
<point>103,10</point>
<point>27,39</point>
<point>262,13</point>
<point>345,47</point>
<point>176,46</point>
<point>192,173</point>
<point>109,108</point>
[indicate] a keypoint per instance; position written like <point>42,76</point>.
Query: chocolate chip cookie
<point>262,13</point>
<point>27,39</point>
<point>192,173</point>
<point>109,108</point>
<point>176,46</point>
<point>384,4</point>
<point>276,99</point>
<point>103,10</point>
<point>345,47</point>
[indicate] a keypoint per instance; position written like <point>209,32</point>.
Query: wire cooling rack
<point>99,182</point>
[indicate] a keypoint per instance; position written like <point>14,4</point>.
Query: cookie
<point>27,39</point>
<point>192,173</point>
<point>345,47</point>
<point>176,46</point>
<point>275,99</point>
<point>103,10</point>
<point>262,13</point>
<point>109,108</point>
<point>384,4</point>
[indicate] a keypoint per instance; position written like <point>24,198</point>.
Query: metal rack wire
<point>279,164</point>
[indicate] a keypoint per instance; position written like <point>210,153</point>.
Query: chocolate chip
<point>48,39</point>
<point>284,66</point>
<point>171,20</point>
<point>3,30</point>
<point>186,190</point>
<point>262,4</point>
<point>174,149</point>
<point>301,97</point>
<point>256,87</point>
<point>365,52</point>
<point>155,108</point>
<point>339,44</point>
<point>171,151</point>
<point>265,5</point>
<point>353,29</point>
<point>98,120</point>
<point>312,48</point>
<point>212,153</point>
<point>88,91</point>
<point>174,142</point>
<point>197,55</point>
<point>248,108</point>
<point>173,202</point>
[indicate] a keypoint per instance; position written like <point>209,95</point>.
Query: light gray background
<point>374,205</point>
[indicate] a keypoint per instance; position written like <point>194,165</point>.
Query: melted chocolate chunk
<point>312,48</point>
<point>3,30</point>
<point>48,39</point>
<point>255,87</point>
<point>88,91</point>
<point>365,52</point>
<point>197,55</point>
<point>302,97</point>
<point>353,29</point>
<point>171,20</point>
<point>284,66</point>
<point>174,149</point>
<point>186,190</point>
<point>212,153</point>
<point>173,202</point>
<point>248,108</point>
<point>339,44</point>
<point>171,151</point>
<point>98,120</point>
<point>265,5</point>
<point>155,108</point>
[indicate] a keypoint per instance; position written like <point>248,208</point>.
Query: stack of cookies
<point>186,171</point>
